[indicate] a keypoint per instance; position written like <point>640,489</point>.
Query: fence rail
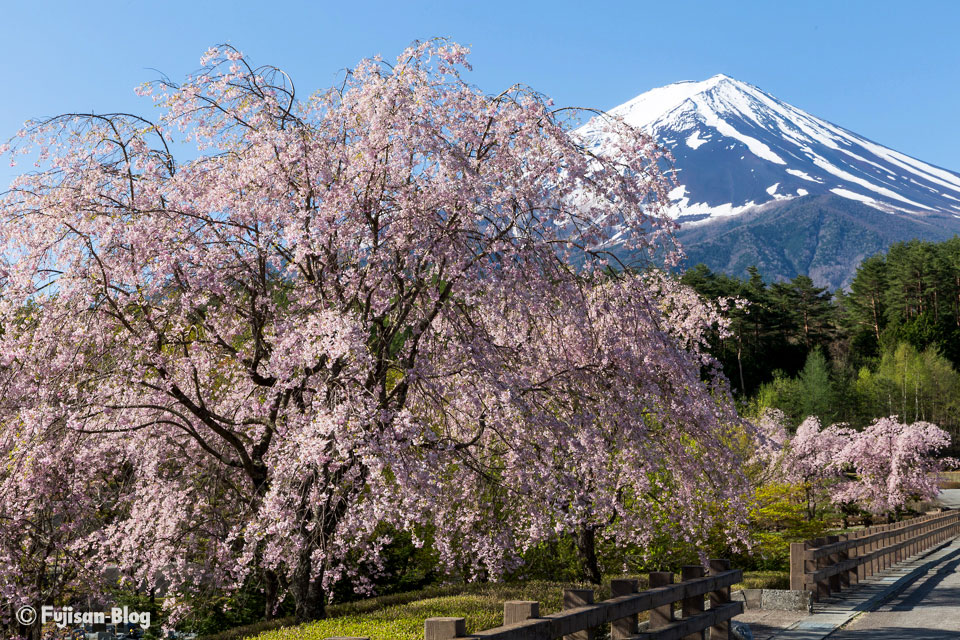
<point>581,617</point>
<point>833,563</point>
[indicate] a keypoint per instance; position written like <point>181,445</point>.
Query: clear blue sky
<point>887,70</point>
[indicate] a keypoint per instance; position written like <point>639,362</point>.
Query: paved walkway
<point>949,498</point>
<point>893,599</point>
<point>766,624</point>
<point>928,609</point>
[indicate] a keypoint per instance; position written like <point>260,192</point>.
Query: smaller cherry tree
<point>878,469</point>
<point>812,460</point>
<point>893,463</point>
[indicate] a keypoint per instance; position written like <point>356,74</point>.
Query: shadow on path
<point>922,594</point>
<point>898,633</point>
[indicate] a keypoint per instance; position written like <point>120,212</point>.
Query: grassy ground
<point>400,617</point>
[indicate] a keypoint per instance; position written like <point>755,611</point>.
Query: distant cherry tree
<point>892,463</point>
<point>387,306</point>
<point>878,469</point>
<point>808,458</point>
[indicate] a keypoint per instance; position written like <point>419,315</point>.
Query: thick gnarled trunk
<point>587,554</point>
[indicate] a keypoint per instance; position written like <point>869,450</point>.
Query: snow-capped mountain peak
<point>737,147</point>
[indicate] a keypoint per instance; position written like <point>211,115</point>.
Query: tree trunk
<point>312,604</point>
<point>743,387</point>
<point>271,591</point>
<point>308,595</point>
<point>587,554</point>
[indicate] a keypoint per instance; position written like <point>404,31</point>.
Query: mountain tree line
<point>888,346</point>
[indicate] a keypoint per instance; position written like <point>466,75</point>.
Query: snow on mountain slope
<point>736,147</point>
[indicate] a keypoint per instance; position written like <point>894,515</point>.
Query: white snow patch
<point>772,189</point>
<point>853,195</point>
<point>695,141</point>
<point>928,172</point>
<point>802,192</point>
<point>700,208</point>
<point>803,175</point>
<point>862,159</point>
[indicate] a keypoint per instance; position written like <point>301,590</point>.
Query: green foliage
<point>778,323</point>
<point>913,385</point>
<point>888,346</point>
<point>554,560</point>
<point>406,567</point>
<point>777,518</point>
<point>215,612</point>
<point>811,392</point>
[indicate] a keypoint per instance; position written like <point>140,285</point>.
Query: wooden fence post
<point>823,586</point>
<point>887,541</point>
<point>891,539</point>
<point>877,545</point>
<point>444,628</point>
<point>663,615</point>
<point>884,538</point>
<point>844,577</point>
<point>912,549</point>
<point>918,540</point>
<point>573,598</point>
<point>854,552</point>
<point>898,554</point>
<point>515,611</point>
<point>692,605</point>
<point>901,537</point>
<point>720,597</point>
<point>624,627</point>
<point>833,559</point>
<point>798,580</point>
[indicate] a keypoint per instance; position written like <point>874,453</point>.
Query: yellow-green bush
<point>778,517</point>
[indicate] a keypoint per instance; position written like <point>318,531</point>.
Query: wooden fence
<point>829,564</point>
<point>582,617</point>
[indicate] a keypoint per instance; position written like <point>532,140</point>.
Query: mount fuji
<point>759,181</point>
